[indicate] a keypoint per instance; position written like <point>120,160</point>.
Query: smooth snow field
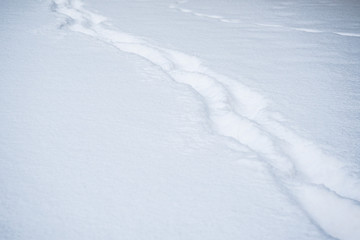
<point>189,119</point>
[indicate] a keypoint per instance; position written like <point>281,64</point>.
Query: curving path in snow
<point>323,187</point>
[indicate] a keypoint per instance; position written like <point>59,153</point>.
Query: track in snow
<point>321,185</point>
<point>223,19</point>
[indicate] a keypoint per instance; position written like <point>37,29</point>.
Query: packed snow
<point>181,119</point>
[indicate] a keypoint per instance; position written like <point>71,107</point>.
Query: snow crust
<point>301,184</point>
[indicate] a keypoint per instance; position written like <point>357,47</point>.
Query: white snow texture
<point>158,132</point>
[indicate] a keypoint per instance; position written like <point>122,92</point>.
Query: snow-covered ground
<point>167,119</point>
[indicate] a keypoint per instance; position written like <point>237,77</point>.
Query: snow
<point>180,120</point>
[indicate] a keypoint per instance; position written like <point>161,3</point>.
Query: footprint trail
<point>323,187</point>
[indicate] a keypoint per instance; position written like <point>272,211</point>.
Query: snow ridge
<point>203,15</point>
<point>324,189</point>
<point>223,19</point>
<point>216,17</point>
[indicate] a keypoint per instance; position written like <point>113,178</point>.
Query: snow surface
<point>180,120</point>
